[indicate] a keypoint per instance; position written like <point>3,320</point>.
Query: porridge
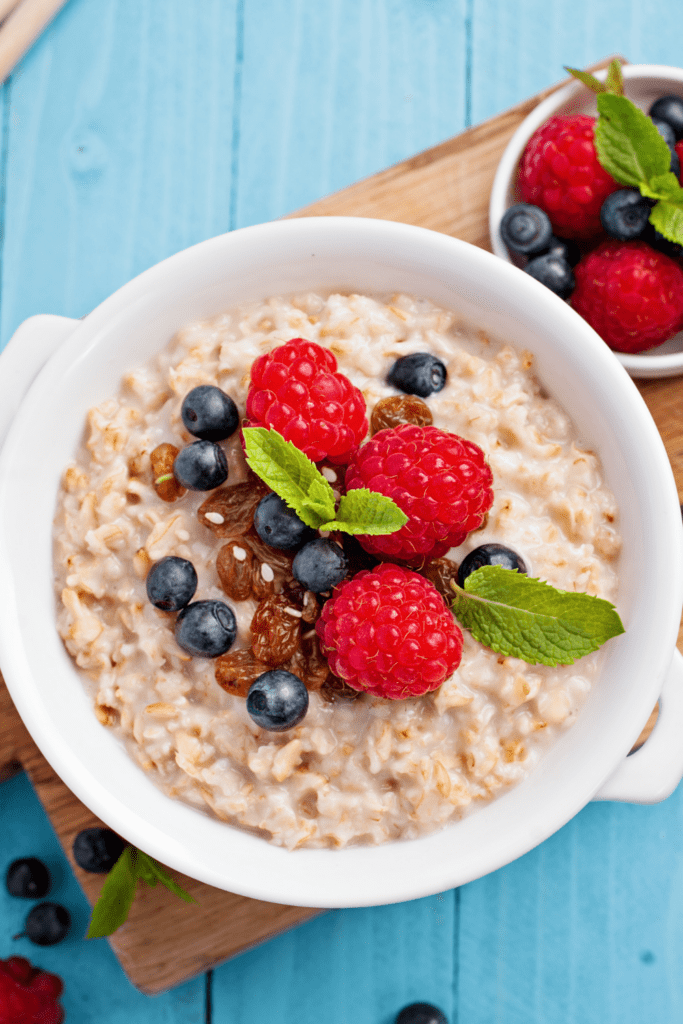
<point>358,768</point>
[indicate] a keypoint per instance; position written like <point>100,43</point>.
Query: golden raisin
<point>335,688</point>
<point>304,600</point>
<point>235,570</point>
<point>441,572</point>
<point>165,484</point>
<point>390,412</point>
<point>275,630</point>
<point>229,511</point>
<point>237,670</point>
<point>309,663</point>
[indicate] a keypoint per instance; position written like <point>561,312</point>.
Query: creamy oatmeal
<point>354,771</point>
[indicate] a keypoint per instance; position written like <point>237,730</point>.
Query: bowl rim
<point>665,364</point>
<point>389,885</point>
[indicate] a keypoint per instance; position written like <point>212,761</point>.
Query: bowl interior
<point>644,83</point>
<point>343,254</point>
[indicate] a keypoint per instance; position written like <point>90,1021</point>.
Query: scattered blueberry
<point>206,628</point>
<point>421,1013</point>
<point>171,583</point>
<point>526,229</point>
<point>418,374</point>
<point>97,849</point>
<point>566,248</point>
<point>28,878</point>
<point>277,700</point>
<point>666,131</point>
<point>201,466</point>
<point>624,214</point>
<point>554,272</point>
<point>662,244</point>
<point>46,924</point>
<point>669,109</point>
<point>320,565</point>
<point>489,554</point>
<point>209,413</point>
<point>279,526</point>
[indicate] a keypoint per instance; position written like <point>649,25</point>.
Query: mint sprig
<point>297,480</point>
<point>522,617</point>
<point>118,891</point>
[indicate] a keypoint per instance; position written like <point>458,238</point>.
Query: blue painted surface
<point>134,128</point>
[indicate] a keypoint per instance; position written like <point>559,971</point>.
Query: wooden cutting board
<point>165,941</point>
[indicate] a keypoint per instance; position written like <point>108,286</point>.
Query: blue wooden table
<point>134,128</point>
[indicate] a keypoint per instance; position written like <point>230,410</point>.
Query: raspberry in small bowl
<point>548,162</point>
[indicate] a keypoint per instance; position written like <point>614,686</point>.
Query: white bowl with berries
<point>572,205</point>
<point>54,371</point>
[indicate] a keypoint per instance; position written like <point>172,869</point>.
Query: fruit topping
<point>566,248</point>
<point>209,413</point>
<point>97,849</point>
<point>165,483</point>
<point>201,466</point>
<point>418,374</point>
<point>441,572</point>
<point>241,574</point>
<point>237,670</point>
<point>275,630</point>
<point>624,214</point>
<point>27,878</point>
<point>206,628</point>
<point>561,173</point>
<point>335,689</point>
<point>421,1013</point>
<point>526,229</point>
<point>309,663</point>
<point>277,700</point>
<point>389,633</point>
<point>630,294</point>
<point>29,995</point>
<point>171,583</point>
<point>669,109</point>
<point>320,565</point>
<point>489,554</point>
<point>229,511</point>
<point>442,482</point>
<point>297,390</point>
<point>554,272</point>
<point>47,924</point>
<point>397,409</point>
<point>279,526</point>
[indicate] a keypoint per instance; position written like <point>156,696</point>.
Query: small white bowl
<point>589,761</point>
<point>644,83</point>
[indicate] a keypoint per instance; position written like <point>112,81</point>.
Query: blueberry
<point>277,700</point>
<point>97,849</point>
<point>669,109</point>
<point>624,214</point>
<point>201,466</point>
<point>666,131</point>
<point>209,413</point>
<point>46,924</point>
<point>421,1013</point>
<point>566,248</point>
<point>320,565</point>
<point>171,583</point>
<point>418,374</point>
<point>206,628</point>
<point>28,878</point>
<point>489,554</point>
<point>526,229</point>
<point>554,272</point>
<point>662,244</point>
<point>279,526</point>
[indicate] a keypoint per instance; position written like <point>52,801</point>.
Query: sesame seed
<point>267,573</point>
<point>329,474</point>
<point>215,517</point>
<point>294,612</point>
<point>239,554</point>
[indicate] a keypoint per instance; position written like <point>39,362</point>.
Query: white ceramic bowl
<point>644,83</point>
<point>352,255</point>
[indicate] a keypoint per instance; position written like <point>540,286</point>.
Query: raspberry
<point>630,294</point>
<point>296,390</point>
<point>560,172</point>
<point>679,150</point>
<point>27,994</point>
<point>439,480</point>
<point>388,632</point>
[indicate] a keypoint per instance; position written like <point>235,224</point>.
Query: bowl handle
<point>654,771</point>
<point>24,356</point>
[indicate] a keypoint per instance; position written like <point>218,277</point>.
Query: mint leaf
<point>615,80</point>
<point>628,145</point>
<point>667,218</point>
<point>522,617</point>
<point>116,897</point>
<point>590,81</point>
<point>291,474</point>
<point>364,511</point>
<point>152,872</point>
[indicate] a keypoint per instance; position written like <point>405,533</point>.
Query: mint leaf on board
<point>364,511</point>
<point>522,617</point>
<point>628,145</point>
<point>118,891</point>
